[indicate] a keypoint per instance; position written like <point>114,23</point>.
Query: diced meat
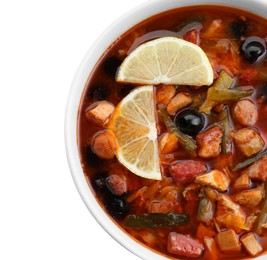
<point>251,221</point>
<point>104,144</point>
<point>99,112</point>
<point>214,179</point>
<point>117,184</point>
<point>210,142</point>
<point>248,141</point>
<point>246,113</point>
<point>168,143</point>
<point>192,36</point>
<point>229,214</point>
<point>181,100</point>
<point>251,245</point>
<point>249,198</point>
<point>185,172</point>
<point>228,241</point>
<point>183,245</point>
<point>165,93</point>
<point>242,183</point>
<point>258,170</point>
<point>163,207</point>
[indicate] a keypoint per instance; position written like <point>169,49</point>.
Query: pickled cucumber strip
<point>156,220</point>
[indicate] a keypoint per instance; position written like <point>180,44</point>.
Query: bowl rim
<point>108,36</point>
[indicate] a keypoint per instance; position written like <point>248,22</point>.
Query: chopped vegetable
<point>168,143</point>
<point>187,143</point>
<point>228,241</point>
<point>228,95</point>
<point>249,161</point>
<point>156,220</point>
<point>204,231</point>
<point>206,210</point>
<point>226,129</point>
<point>251,244</point>
<point>215,179</point>
<point>220,92</point>
<point>223,82</point>
<point>263,214</point>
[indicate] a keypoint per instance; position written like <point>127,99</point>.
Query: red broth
<point>223,48</point>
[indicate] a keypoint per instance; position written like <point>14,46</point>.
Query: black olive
<point>237,28</point>
<point>254,49</point>
<point>111,66</point>
<point>190,122</point>
<point>98,93</point>
<point>91,158</point>
<point>117,207</point>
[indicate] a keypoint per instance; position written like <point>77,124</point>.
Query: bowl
<point>133,17</point>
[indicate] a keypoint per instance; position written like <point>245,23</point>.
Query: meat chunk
<point>242,183</point>
<point>248,141</point>
<point>168,143</point>
<point>104,144</point>
<point>183,245</point>
<point>181,100</point>
<point>163,207</point>
<point>210,142</point>
<point>258,170</point>
<point>117,184</point>
<point>192,36</point>
<point>249,198</point>
<point>164,94</point>
<point>185,172</point>
<point>246,113</point>
<point>99,112</point>
<point>228,241</point>
<point>251,245</point>
<point>229,214</point>
<point>214,179</point>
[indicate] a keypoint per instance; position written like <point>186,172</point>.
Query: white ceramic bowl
<point>149,8</point>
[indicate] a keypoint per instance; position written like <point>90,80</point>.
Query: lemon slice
<point>167,60</point>
<point>134,124</point>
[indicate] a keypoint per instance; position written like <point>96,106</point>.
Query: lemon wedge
<point>134,124</point>
<point>167,60</point>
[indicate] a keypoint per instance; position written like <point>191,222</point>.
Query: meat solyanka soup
<point>172,133</point>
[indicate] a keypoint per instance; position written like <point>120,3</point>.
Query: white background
<point>41,46</point>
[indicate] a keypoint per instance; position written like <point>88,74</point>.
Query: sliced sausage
<point>117,184</point>
<point>246,113</point>
<point>210,142</point>
<point>184,245</point>
<point>104,144</point>
<point>248,141</point>
<point>185,172</point>
<point>99,112</point>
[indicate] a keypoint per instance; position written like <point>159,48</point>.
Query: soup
<point>194,184</point>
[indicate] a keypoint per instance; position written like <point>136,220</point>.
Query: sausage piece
<point>245,113</point>
<point>210,142</point>
<point>183,245</point>
<point>165,93</point>
<point>181,100</point>
<point>185,172</point>
<point>117,184</point>
<point>104,144</point>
